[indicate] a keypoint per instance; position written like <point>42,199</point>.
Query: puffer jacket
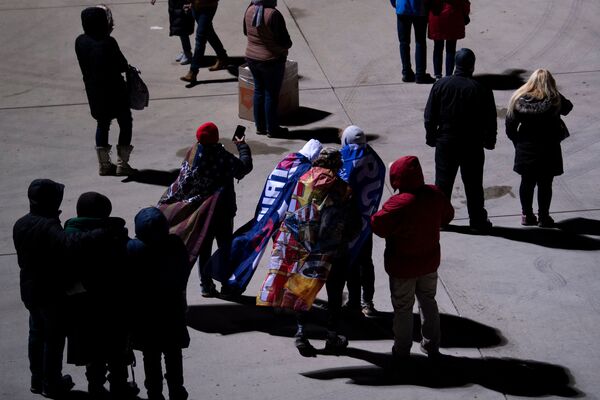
<point>410,222</point>
<point>535,128</point>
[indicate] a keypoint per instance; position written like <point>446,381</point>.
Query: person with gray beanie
<point>460,122</point>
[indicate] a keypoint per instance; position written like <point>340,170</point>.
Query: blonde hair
<point>540,85</point>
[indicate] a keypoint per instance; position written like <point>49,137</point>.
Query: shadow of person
<point>510,79</point>
<point>552,238</point>
<point>582,226</point>
<point>153,177</point>
<point>245,316</point>
<point>304,116</point>
<point>324,134</point>
<point>504,375</point>
<point>207,81</point>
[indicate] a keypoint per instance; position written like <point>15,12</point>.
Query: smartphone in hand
<point>239,133</point>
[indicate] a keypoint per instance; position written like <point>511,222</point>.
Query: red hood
<point>406,174</point>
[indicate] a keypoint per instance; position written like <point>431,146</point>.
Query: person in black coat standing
<point>460,121</point>
<point>159,263</point>
<point>181,23</point>
<point>534,126</point>
<point>43,248</point>
<point>102,65</point>
<point>99,336</point>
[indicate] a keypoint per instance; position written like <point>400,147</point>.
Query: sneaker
<point>261,132</point>
<point>186,59</point>
<point>438,77</point>
<point>178,57</point>
<point>528,220</point>
<point>336,344</point>
<point>431,353</point>
<point>424,79</point>
<point>58,389</point>
<point>368,310</point>
<point>408,77</point>
<point>208,291</point>
<point>304,347</point>
<point>545,221</point>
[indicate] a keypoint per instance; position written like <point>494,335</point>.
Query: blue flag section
<point>250,241</point>
<point>365,173</point>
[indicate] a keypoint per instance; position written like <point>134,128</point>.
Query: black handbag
<point>137,89</point>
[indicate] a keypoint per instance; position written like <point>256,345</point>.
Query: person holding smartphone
<point>200,205</point>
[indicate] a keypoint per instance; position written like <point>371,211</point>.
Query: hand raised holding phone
<point>239,135</point>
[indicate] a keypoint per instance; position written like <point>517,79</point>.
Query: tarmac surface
<point>520,307</point>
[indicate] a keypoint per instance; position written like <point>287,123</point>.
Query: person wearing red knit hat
<point>200,204</point>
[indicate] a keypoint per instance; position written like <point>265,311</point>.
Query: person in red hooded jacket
<point>410,222</point>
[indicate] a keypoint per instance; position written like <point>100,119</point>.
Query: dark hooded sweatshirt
<point>159,262</point>
<point>102,65</point>
<point>410,222</point>
<point>43,247</point>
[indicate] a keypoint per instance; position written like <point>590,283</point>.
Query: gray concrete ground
<point>521,307</point>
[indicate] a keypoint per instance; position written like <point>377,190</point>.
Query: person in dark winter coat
<point>100,335</point>
<point>412,13</point>
<point>159,262</point>
<point>447,20</point>
<point>460,121</point>
<point>534,126</point>
<point>203,12</point>
<point>43,248</point>
<point>410,222</point>
<point>102,65</point>
<point>201,204</point>
<point>181,23</point>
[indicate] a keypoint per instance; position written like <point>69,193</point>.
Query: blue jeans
<point>46,345</point>
<point>438,52</point>
<point>125,122</point>
<point>205,32</point>
<point>404,24</point>
<point>268,77</point>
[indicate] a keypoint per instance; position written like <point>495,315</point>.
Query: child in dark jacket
<point>159,261</point>
<point>410,222</point>
<point>99,337</point>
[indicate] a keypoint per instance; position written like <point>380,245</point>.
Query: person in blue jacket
<point>412,13</point>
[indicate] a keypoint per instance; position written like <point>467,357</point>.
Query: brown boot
<point>190,76</point>
<point>123,167</point>
<point>105,166</point>
<point>221,63</point>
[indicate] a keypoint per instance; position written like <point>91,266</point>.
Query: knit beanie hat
<point>93,205</point>
<point>353,134</point>
<point>207,133</point>
<point>465,61</point>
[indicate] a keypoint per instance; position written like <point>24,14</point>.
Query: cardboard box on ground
<point>288,96</point>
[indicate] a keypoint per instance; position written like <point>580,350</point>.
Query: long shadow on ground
<point>241,317</point>
<point>566,239</point>
<point>153,177</point>
<point>510,79</point>
<point>324,134</point>
<point>504,375</point>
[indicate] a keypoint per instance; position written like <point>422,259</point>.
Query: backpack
<point>137,89</point>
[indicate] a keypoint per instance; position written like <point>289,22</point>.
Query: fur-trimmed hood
<point>533,106</point>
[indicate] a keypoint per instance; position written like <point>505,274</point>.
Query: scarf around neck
<point>259,11</point>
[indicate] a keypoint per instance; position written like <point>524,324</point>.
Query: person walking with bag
<point>534,126</point>
<point>181,24</point>
<point>447,20</point>
<point>102,65</point>
<point>266,54</point>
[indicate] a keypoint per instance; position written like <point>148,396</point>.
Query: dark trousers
<point>335,288</point>
<point>205,32</point>
<point>362,275</point>
<point>449,157</point>
<point>174,373</point>
<point>438,53</point>
<point>186,46</point>
<point>46,345</point>
<point>125,122</point>
<point>544,185</point>
<point>268,77</point>
<point>222,231</point>
<point>404,25</point>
